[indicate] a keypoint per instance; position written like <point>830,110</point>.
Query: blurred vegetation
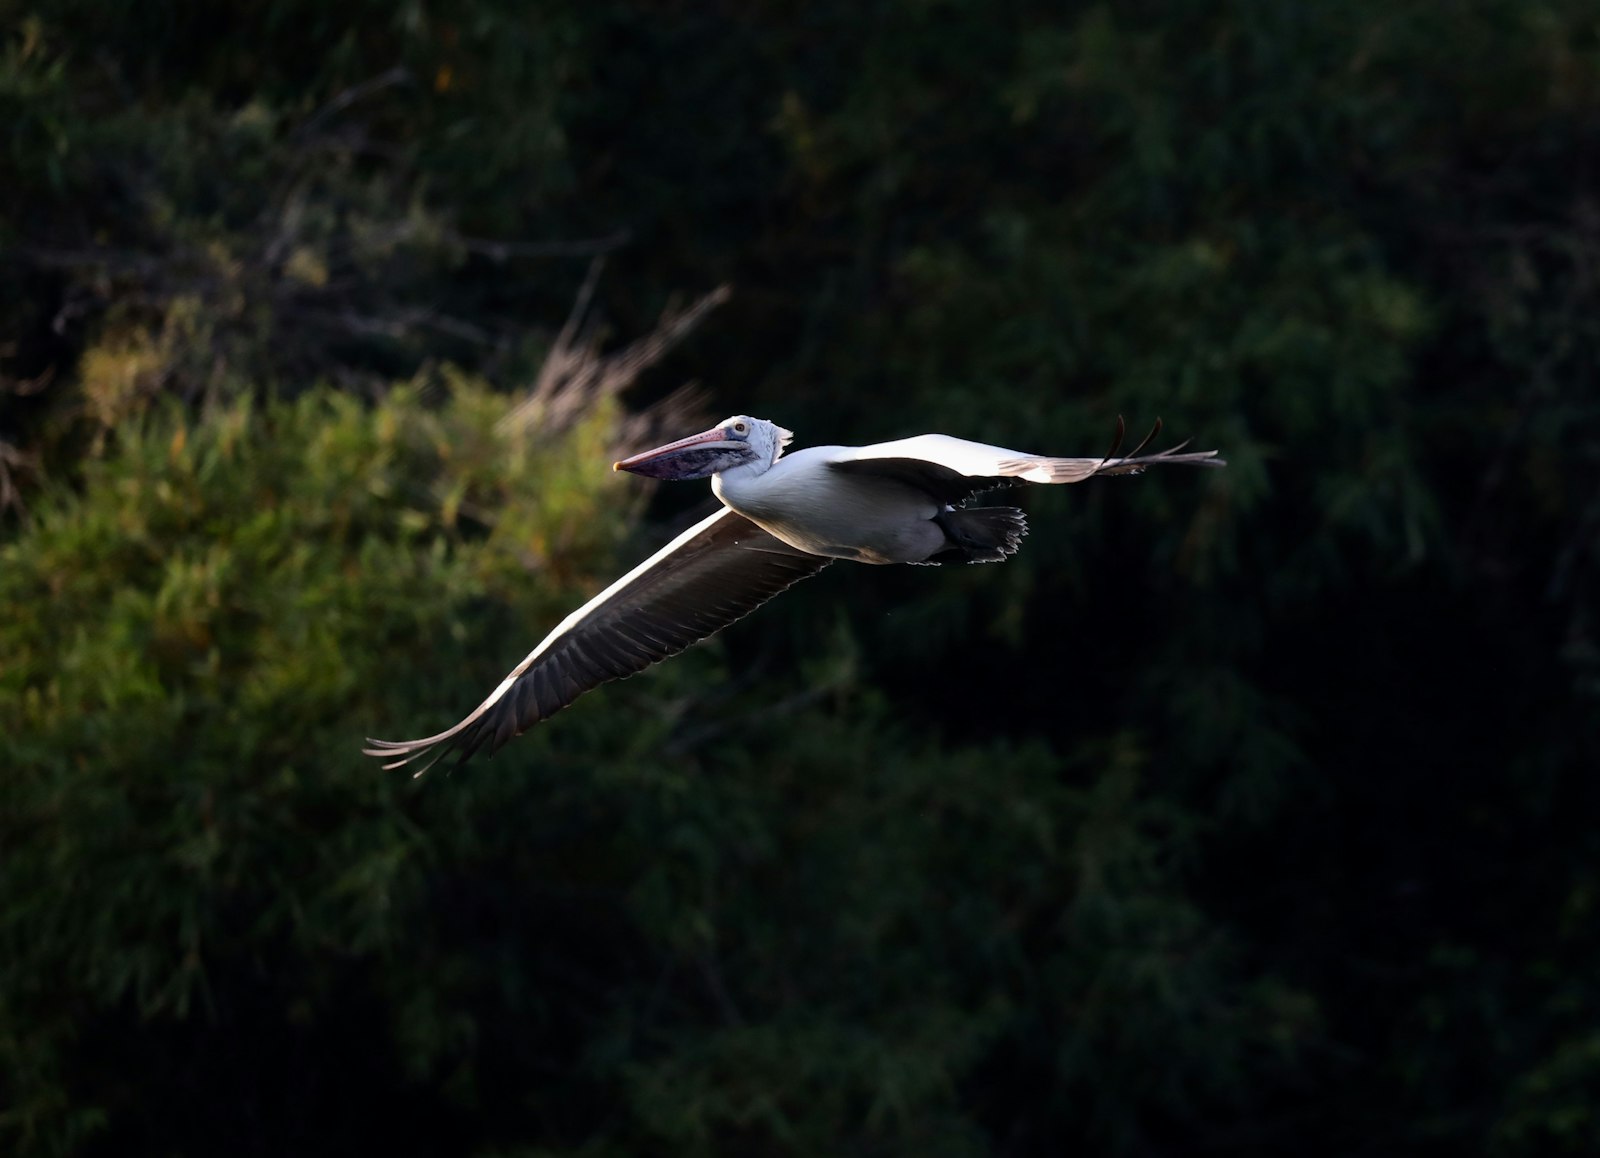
<point>1249,812</point>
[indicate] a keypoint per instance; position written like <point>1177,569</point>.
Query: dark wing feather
<point>933,479</point>
<point>715,572</point>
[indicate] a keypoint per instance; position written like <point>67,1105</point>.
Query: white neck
<point>731,485</point>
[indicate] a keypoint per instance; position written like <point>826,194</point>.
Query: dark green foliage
<point>215,619</point>
<point>1247,812</point>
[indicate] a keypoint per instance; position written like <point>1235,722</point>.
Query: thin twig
<point>13,461</point>
<point>356,92</point>
<point>575,375</point>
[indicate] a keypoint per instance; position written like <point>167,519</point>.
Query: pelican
<point>783,519</point>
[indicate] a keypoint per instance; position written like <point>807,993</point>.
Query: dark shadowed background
<point>1251,811</point>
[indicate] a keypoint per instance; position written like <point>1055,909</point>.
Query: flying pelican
<point>783,519</point>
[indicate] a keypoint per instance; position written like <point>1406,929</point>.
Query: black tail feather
<point>980,534</point>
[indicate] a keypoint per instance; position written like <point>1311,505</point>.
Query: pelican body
<point>783,519</point>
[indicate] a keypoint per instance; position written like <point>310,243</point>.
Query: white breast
<point>807,505</point>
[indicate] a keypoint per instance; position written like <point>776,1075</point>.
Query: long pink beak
<point>666,461</point>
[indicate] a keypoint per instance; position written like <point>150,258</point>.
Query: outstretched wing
<point>715,572</point>
<point>952,469</point>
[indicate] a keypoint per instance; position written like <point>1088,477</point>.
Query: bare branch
<point>12,463</point>
<point>575,375</point>
<point>395,76</point>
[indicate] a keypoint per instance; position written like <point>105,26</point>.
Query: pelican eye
<point>740,428</point>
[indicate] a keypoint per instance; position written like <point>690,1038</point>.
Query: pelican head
<point>733,442</point>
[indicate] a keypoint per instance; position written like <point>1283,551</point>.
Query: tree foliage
<point>1251,811</point>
